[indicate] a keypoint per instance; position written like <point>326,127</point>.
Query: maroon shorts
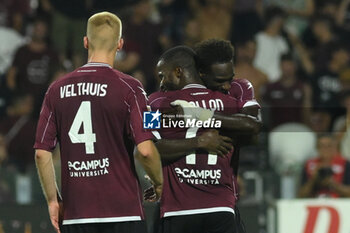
<point>115,227</point>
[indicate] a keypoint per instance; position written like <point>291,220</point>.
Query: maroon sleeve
<point>242,89</point>
<point>46,132</point>
<point>155,100</point>
<point>138,104</point>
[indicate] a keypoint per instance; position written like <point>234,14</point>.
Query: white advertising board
<point>313,216</point>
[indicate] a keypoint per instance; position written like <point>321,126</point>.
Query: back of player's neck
<point>101,58</point>
<point>194,80</point>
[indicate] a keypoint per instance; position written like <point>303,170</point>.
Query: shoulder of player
<point>242,83</point>
<point>156,97</point>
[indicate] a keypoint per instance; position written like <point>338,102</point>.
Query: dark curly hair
<point>212,51</point>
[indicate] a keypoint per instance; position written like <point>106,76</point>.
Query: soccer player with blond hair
<point>95,114</point>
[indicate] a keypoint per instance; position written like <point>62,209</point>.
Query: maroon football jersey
<point>199,182</point>
<point>95,113</point>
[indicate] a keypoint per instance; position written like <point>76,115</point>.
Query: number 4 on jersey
<point>83,116</point>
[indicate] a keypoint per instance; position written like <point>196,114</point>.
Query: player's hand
<point>153,193</point>
<point>149,194</point>
<point>60,214</point>
<point>213,142</point>
<point>54,211</point>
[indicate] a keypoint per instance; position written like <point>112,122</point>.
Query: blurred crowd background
<point>296,53</point>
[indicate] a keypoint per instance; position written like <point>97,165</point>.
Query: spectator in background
<point>271,45</point>
<point>5,97</point>
<point>342,126</point>
<point>343,19</point>
<point>68,28</point>
<point>298,12</point>
<point>322,28</point>
<point>289,99</point>
<point>320,120</point>
<point>6,175</point>
<point>19,127</point>
<point>191,33</point>
<point>326,83</point>
<point>327,7</point>
<point>214,18</point>
<point>33,65</point>
<point>142,45</point>
<point>245,53</point>
<point>14,13</point>
<point>174,16</point>
<point>3,150</point>
<point>10,41</point>
<point>328,174</point>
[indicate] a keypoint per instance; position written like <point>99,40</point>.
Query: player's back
<point>94,114</point>
<point>198,182</point>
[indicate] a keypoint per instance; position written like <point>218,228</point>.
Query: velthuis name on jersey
<point>80,89</point>
<point>90,168</point>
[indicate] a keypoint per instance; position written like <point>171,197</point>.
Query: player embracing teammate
<point>200,190</point>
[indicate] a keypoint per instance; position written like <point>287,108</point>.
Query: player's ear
<point>178,72</point>
<point>86,42</point>
<point>120,44</point>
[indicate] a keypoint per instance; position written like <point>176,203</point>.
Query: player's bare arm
<point>253,111</point>
<point>241,123</point>
<point>242,128</point>
<point>236,122</point>
<point>43,160</point>
<point>173,149</point>
<point>149,157</point>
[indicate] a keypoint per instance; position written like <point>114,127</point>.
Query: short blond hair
<point>104,30</point>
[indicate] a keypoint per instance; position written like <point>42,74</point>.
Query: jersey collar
<point>97,64</point>
<point>194,86</point>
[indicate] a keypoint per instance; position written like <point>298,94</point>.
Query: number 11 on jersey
<point>191,158</point>
<point>83,116</point>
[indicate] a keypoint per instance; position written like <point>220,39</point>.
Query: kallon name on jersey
<point>79,89</point>
<point>212,104</point>
<point>191,123</point>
